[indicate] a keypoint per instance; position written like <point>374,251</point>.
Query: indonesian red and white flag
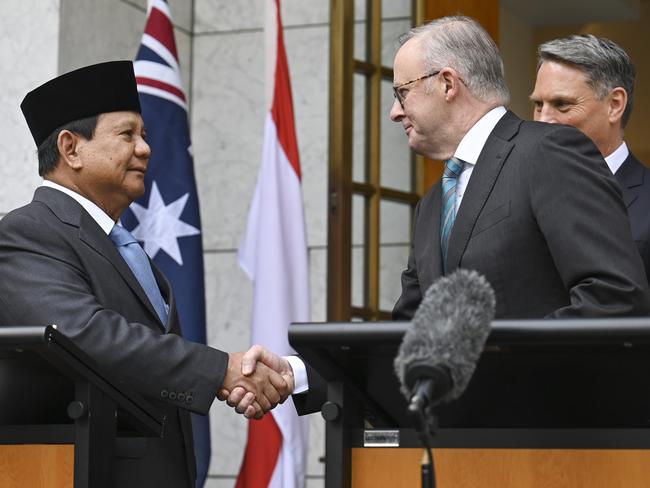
<point>274,256</point>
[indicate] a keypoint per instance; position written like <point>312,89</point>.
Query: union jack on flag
<point>156,65</point>
<point>166,219</point>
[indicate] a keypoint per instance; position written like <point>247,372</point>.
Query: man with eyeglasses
<point>531,206</point>
<point>541,216</point>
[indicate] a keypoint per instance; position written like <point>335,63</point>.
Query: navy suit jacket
<point>634,179</point>
<point>543,220</point>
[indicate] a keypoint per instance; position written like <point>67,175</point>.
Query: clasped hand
<point>256,381</point>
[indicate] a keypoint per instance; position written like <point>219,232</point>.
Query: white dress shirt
<point>299,374</point>
<point>617,158</point>
<point>471,145</point>
<point>98,215</point>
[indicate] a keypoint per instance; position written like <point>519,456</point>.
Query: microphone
<point>440,348</point>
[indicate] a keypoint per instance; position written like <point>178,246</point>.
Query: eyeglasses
<point>396,88</point>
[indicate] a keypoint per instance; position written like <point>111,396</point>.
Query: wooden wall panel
<point>504,468</point>
<point>487,13</point>
<point>36,466</point>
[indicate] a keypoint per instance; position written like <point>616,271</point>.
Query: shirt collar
<point>472,143</point>
<point>617,158</point>
<point>98,215</point>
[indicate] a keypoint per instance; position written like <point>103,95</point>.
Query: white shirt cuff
<point>299,374</point>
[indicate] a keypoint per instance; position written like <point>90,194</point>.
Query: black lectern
<point>53,393</point>
<point>540,384</point>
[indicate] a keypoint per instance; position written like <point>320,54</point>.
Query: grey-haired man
<point>588,82</point>
<point>534,208</point>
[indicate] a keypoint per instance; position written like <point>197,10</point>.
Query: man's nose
<point>396,111</point>
<point>142,149</point>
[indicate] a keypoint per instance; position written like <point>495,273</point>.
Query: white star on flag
<point>160,225</point>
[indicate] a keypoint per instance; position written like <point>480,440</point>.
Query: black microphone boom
<point>440,349</point>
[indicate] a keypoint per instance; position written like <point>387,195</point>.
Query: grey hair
<point>604,62</point>
<point>461,43</point>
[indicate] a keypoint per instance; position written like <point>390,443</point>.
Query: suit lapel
<point>70,212</point>
<point>433,266</point>
<point>485,174</point>
<point>630,176</point>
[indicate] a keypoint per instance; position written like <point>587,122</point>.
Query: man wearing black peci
<point>65,259</point>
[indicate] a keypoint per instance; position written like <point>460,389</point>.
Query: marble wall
<point>228,113</point>
<point>112,29</point>
<point>29,51</point>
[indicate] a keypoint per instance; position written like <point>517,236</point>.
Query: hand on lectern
<point>251,388</point>
<point>259,362</point>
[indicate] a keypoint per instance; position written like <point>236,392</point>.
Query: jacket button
<point>181,397</point>
<point>164,394</point>
<point>172,395</point>
<point>189,399</point>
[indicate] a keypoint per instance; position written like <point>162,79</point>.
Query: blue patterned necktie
<point>138,261</point>
<point>453,169</point>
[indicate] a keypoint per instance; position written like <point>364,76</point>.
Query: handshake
<point>256,381</point>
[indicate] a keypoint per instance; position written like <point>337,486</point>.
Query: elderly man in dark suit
<point>531,206</point>
<point>65,259</point>
<point>588,82</point>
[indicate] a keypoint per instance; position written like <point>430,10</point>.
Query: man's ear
<point>617,103</point>
<point>68,144</point>
<point>451,81</point>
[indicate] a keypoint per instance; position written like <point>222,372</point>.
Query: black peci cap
<point>88,91</point>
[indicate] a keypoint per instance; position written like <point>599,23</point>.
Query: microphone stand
<point>429,384</point>
<point>428,475</point>
<point>426,424</point>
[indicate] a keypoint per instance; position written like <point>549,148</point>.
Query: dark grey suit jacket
<point>543,220</point>
<point>634,179</point>
<point>58,266</point>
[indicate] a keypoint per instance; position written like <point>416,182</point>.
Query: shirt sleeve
<point>299,374</point>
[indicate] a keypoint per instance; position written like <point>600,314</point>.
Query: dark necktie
<point>138,261</point>
<point>453,169</point>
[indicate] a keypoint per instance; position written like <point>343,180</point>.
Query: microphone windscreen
<point>448,330</point>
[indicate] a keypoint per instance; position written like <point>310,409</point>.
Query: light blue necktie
<point>138,261</point>
<point>453,169</point>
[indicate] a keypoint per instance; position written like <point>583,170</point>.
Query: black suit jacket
<point>634,179</point>
<point>542,218</point>
<point>58,266</point>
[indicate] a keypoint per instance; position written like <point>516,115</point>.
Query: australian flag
<point>166,219</point>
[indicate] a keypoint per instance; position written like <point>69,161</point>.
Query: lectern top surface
<point>532,374</point>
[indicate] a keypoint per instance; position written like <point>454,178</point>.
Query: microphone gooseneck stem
<point>425,424</point>
<point>428,470</point>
